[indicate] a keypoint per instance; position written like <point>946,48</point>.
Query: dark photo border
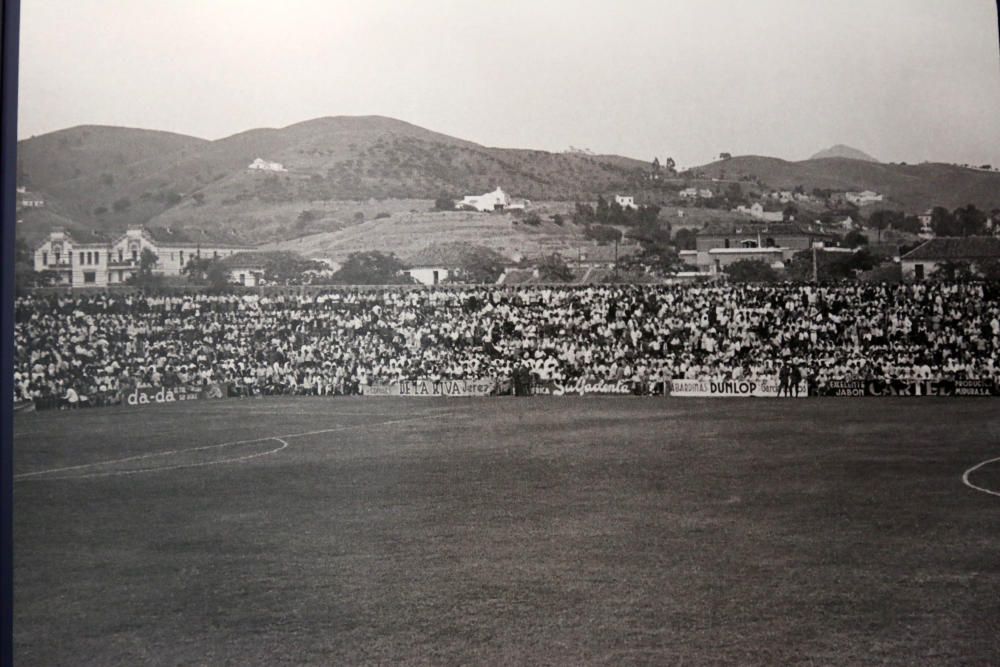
<point>8,147</point>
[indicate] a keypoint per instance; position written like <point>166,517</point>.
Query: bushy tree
<point>829,265</point>
<point>144,278</point>
<point>553,268</point>
<point>480,265</point>
<point>970,221</point>
<point>207,271</point>
<point>287,268</point>
<point>602,209</point>
<point>854,238</point>
<point>657,254</point>
<point>444,203</point>
<point>751,271</point>
<point>910,224</point>
<point>25,275</point>
<point>371,268</point>
<point>685,239</point>
<point>603,234</point>
<point>881,220</point>
<point>943,222</point>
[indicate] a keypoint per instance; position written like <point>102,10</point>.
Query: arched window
<point>749,243</point>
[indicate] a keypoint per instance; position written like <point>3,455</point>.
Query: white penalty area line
<point>965,477</point>
<point>279,438</point>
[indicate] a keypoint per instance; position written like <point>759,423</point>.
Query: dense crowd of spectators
<point>95,346</point>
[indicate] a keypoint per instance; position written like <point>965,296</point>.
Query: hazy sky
<point>905,80</point>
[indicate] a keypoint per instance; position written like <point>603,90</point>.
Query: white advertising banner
<point>431,388</point>
<point>760,388</point>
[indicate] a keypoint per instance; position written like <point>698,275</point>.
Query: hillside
<point>327,159</point>
<point>912,188</point>
<point>107,178</point>
<point>840,150</point>
<point>406,234</point>
<point>47,160</point>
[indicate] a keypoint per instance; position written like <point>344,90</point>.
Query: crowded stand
<point>91,349</point>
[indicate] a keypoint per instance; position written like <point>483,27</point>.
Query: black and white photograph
<point>506,333</point>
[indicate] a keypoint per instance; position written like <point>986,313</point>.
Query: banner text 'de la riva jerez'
<point>431,388</point>
<point>760,388</point>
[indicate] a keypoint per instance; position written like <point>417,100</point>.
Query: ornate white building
<point>96,260</point>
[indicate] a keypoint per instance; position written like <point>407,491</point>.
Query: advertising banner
<point>432,388</point>
<point>758,388</point>
<point>151,395</point>
<point>581,388</point>
<point>909,388</point>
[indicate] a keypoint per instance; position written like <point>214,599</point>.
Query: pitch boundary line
<point>136,471</point>
<point>965,477</point>
<point>140,457</point>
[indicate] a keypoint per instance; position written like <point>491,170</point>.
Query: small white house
<point>625,201</point>
<point>429,275</point>
<point>863,198</point>
<point>263,165</point>
<point>757,212</point>
<point>497,200</point>
<point>245,268</point>
<point>696,193</point>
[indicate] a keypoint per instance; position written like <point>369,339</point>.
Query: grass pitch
<point>543,531</point>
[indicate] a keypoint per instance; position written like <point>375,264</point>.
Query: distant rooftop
<point>955,248</point>
<point>749,228</point>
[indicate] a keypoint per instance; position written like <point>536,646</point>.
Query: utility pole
<point>616,259</point>
<point>815,265</point>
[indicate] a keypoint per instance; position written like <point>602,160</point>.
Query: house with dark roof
<point>719,244</point>
<point>98,260</point>
<point>923,260</point>
<point>435,263</point>
<point>245,268</point>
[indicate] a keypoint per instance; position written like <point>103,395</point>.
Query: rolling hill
<point>408,233</point>
<point>327,159</point>
<point>106,178</point>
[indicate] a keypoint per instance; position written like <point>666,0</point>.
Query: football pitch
<point>562,531</point>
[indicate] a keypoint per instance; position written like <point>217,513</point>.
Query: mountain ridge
<point>107,178</point>
<point>843,151</point>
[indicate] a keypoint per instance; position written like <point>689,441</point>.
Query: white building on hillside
<point>863,198</point>
<point>625,201</point>
<point>757,212</point>
<point>696,193</point>
<point>498,200</point>
<point>264,165</point>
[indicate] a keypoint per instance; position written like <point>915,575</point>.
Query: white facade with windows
<point>82,262</point>
<point>429,275</point>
